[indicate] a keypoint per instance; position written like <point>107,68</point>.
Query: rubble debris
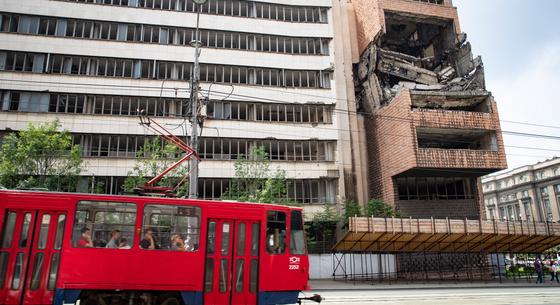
<point>417,53</point>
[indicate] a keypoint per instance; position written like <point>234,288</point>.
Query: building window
<point>151,69</point>
<point>544,191</point>
<point>234,8</point>
<point>547,209</point>
<point>491,213</point>
<point>434,188</point>
<point>528,210</point>
<point>503,215</point>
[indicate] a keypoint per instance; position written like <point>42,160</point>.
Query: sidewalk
<point>325,285</point>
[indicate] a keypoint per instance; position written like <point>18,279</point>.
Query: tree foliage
<point>379,208</point>
<point>351,209</point>
<point>40,157</point>
<point>255,181</point>
<point>151,160</point>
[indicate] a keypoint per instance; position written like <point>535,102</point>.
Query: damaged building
<point>432,124</point>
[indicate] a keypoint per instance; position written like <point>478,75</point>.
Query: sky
<point>519,41</point>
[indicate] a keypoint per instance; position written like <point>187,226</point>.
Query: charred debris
<point>425,55</point>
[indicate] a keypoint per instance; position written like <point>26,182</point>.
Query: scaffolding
<point>407,249</point>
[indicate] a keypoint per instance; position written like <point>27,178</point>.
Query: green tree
<point>379,208</point>
<point>40,157</point>
<point>151,160</point>
<point>351,209</point>
<point>321,230</point>
<point>255,181</point>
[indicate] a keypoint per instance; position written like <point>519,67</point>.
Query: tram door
<point>30,245</point>
<point>232,262</point>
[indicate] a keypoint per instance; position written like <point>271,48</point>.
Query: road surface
<point>466,296</point>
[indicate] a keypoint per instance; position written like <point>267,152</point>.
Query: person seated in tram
<point>123,244</point>
<point>148,242</point>
<point>177,243</point>
<point>115,239</point>
<point>99,242</point>
<point>85,239</point>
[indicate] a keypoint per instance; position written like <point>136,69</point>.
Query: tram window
<point>254,272</point>
<point>223,274</point>
<point>53,272</point>
<point>174,227</point>
<point>239,275</point>
<point>44,231</point>
<point>99,220</point>
<point>9,230</point>
<point>209,275</point>
<point>18,269</point>
<point>4,256</point>
<point>276,232</point>
<point>225,238</point>
<point>211,244</point>
<point>37,271</point>
<point>25,230</point>
<point>241,239</point>
<point>297,235</point>
<point>255,240</point>
<point>59,231</point>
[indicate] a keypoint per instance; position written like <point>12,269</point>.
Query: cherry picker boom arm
<point>168,136</point>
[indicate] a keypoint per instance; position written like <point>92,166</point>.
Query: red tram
<point>58,248</point>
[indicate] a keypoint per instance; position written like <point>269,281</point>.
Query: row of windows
<point>303,191</point>
<point>237,8</point>
<point>127,146</point>
<point>78,28</point>
<point>289,113</point>
<point>163,70</point>
<point>125,105</point>
<point>434,188</point>
<point>165,227</point>
<point>112,225</point>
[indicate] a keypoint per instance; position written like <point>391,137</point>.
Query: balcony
<point>460,159</point>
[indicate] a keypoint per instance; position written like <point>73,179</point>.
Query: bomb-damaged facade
<point>432,124</point>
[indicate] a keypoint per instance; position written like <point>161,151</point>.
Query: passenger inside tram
<point>115,239</point>
<point>85,239</point>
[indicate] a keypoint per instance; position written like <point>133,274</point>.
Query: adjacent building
<point>269,71</point>
<point>528,193</point>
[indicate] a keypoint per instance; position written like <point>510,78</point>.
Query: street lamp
<point>196,43</point>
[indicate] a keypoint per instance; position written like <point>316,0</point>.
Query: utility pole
<point>193,177</point>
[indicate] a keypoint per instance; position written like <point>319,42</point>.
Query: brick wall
<point>370,18</point>
<point>454,209</point>
<point>392,146</point>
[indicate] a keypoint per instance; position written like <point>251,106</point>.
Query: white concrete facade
<point>530,192</point>
<point>293,123</point>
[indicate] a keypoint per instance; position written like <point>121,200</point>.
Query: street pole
<point>193,177</point>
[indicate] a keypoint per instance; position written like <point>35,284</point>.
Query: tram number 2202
<point>293,267</point>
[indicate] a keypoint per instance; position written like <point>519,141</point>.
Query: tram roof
<point>144,198</point>
<point>407,235</point>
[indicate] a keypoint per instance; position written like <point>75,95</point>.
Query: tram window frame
<point>86,216</point>
<point>165,232</point>
<point>8,229</point>
<point>297,234</point>
<point>276,241</point>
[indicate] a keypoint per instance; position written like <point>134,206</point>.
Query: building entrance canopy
<point>407,235</point>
